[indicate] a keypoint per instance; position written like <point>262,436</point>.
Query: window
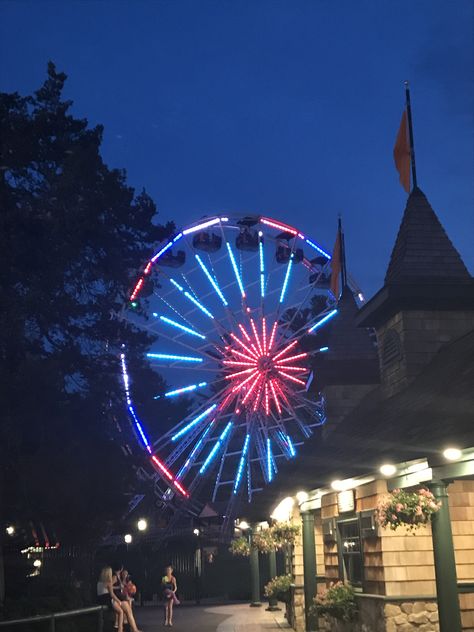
<point>350,551</point>
<point>391,347</point>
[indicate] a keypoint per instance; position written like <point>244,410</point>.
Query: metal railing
<point>57,616</point>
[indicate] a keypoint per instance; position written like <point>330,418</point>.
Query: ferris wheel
<point>235,306</point>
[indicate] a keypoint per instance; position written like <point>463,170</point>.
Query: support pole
<point>272,571</point>
<point>410,133</point>
<point>254,574</point>
<point>445,564</point>
<point>309,566</point>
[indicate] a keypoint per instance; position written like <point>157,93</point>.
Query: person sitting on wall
<point>123,600</point>
<point>107,597</point>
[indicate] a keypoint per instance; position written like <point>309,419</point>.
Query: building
<point>399,403</point>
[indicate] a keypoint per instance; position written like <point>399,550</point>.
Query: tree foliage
<point>73,235</point>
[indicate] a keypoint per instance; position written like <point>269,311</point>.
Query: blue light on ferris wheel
<point>236,270</point>
<point>211,280</point>
<point>287,278</point>
<point>323,320</point>
<point>240,469</point>
<point>215,449</point>
<point>187,330</point>
<point>191,298</point>
<point>193,423</point>
<point>269,461</point>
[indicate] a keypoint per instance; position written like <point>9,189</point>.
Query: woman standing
<point>106,596</point>
<point>169,586</point>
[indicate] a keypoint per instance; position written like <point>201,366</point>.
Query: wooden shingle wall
<point>461,509</point>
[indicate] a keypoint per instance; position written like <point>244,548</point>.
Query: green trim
<point>396,597</point>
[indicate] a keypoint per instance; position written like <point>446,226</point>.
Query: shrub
<point>337,601</point>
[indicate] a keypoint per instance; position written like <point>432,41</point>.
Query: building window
<point>391,347</point>
<point>350,551</point>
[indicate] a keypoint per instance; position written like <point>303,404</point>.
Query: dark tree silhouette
<point>73,235</point>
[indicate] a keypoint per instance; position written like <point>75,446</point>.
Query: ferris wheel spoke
<point>241,466</point>
<point>236,270</point>
<point>211,280</point>
<point>262,267</point>
<point>207,407</point>
<point>216,448</point>
<point>206,437</point>
<point>195,452</point>
<point>176,339</point>
<point>219,481</point>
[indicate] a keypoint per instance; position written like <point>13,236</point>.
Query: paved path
<point>233,618</point>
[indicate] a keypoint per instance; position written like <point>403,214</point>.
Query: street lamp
<point>302,497</point>
<point>37,563</point>
<point>196,531</point>
<point>452,454</point>
<point>127,538</point>
<point>388,469</point>
<point>142,524</point>
<point>10,530</point>
<point>243,525</point>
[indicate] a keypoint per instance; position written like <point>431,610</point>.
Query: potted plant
<point>337,604</point>
<point>279,587</point>
<point>406,508</point>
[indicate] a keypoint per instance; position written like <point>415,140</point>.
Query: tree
<point>73,235</point>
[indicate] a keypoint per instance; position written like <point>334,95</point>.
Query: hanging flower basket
<point>240,546</point>
<point>264,541</point>
<point>409,509</point>
<point>284,533</point>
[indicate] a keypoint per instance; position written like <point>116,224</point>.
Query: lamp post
<point>142,526</point>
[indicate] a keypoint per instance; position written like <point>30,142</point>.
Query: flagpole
<point>410,132</point>
<point>342,253</point>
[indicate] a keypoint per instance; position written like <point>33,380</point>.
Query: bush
<point>337,601</point>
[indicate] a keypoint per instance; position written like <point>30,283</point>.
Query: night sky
<point>288,108</point>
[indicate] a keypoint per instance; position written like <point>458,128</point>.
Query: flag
<point>401,153</point>
<point>336,266</point>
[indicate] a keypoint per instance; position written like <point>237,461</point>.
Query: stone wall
<point>376,615</point>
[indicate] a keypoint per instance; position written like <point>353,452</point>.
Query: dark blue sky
<point>289,108</point>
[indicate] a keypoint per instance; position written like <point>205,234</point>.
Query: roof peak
<point>423,251</point>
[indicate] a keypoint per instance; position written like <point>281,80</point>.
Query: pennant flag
<point>336,266</point>
<point>401,153</point>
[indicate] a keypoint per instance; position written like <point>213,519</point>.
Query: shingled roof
<point>352,356</point>
<point>425,269</point>
<point>434,411</point>
<point>423,250</point>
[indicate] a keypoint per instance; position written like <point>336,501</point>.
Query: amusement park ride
<point>234,304</point>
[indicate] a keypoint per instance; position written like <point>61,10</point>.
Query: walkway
<point>234,618</point>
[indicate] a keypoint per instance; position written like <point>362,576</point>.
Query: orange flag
<point>401,153</point>
<point>336,266</point>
